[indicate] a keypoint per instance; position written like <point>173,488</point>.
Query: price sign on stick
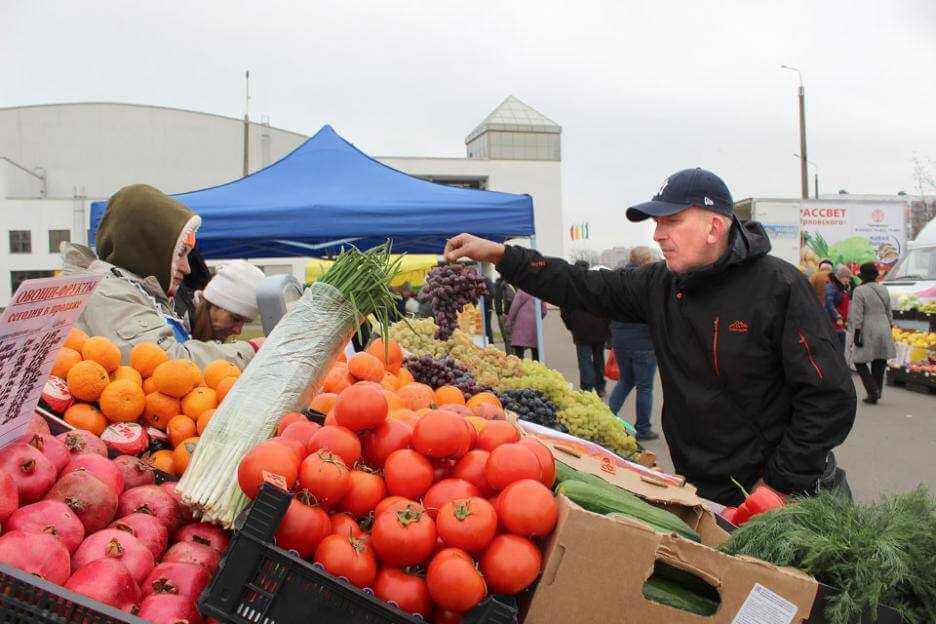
<point>32,330</point>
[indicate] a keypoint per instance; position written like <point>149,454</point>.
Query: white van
<point>915,273</point>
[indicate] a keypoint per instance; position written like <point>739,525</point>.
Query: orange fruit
<point>390,382</point>
<point>484,397</point>
<point>218,370</point>
<point>366,367</point>
<point>390,356</point>
<point>224,386</point>
<point>86,416</point>
<point>393,400</point>
<point>449,395</point>
<point>65,359</point>
<point>129,373</point>
<point>337,379</point>
<point>199,400</point>
<point>405,377</point>
<point>203,420</point>
<point>180,428</point>
<point>75,339</point>
<point>176,378</point>
<point>87,380</point>
<point>478,422</point>
<point>182,454</point>
<point>323,402</point>
<point>149,385</point>
<point>417,396</point>
<point>160,409</point>
<point>196,372</point>
<point>101,350</point>
<point>146,356</point>
<point>163,460</point>
<point>122,401</point>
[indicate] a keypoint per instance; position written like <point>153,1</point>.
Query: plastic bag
<point>611,370</point>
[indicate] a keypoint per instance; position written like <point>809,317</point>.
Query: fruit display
<point>469,320</point>
<point>917,339</point>
<point>533,406</point>
<point>445,371</point>
<point>449,289</point>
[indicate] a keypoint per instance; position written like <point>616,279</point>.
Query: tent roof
<point>326,192</point>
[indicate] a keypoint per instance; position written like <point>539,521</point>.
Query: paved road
<point>891,447</point>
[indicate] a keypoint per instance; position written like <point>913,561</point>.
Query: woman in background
<point>870,320</point>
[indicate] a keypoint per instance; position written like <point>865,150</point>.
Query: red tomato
<point>441,434</point>
<point>297,447</point>
<point>325,476</point>
<point>546,460</point>
<point>361,407</point>
<point>392,435</point>
<point>289,419</point>
<point>468,523</point>
<point>394,503</point>
<point>510,564</point>
<point>454,582</point>
<point>446,490</point>
<point>304,525</point>
<point>471,469</point>
<point>407,591</point>
<point>301,431</point>
<point>340,441</point>
<point>403,538</point>
<point>495,433</point>
<point>472,434</point>
<point>365,490</point>
<point>407,473</point>
<point>344,524</point>
<point>349,557</point>
<point>527,508</point>
<point>511,462</point>
<point>272,457</point>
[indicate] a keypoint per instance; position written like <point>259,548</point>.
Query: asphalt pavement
<point>892,446</point>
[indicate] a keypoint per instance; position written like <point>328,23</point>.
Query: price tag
<point>274,479</point>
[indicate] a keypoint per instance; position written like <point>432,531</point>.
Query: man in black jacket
<point>755,387</point>
<point>590,335</point>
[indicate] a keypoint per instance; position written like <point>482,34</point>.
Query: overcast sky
<point>641,89</point>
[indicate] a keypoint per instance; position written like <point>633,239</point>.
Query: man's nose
<point>658,233</point>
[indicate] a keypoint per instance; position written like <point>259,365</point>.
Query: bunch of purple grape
<point>435,372</point>
<point>449,288</point>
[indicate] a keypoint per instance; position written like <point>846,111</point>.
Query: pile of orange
<point>174,396</point>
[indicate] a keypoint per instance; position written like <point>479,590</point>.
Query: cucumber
<point>610,500</point>
<point>567,473</point>
<point>674,595</point>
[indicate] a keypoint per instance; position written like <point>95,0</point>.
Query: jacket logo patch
<point>538,264</point>
<point>738,327</point>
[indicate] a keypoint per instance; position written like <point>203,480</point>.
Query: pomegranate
<point>80,441</point>
<point>107,580</point>
<point>51,517</point>
<point>193,552</point>
<point>9,495</point>
<point>184,510</point>
<point>50,446</point>
<point>146,528</point>
<point>93,502</point>
<point>101,467</point>
<point>119,545</point>
<point>37,553</point>
<point>125,438</point>
<point>56,395</point>
<point>204,534</point>
<point>172,577</point>
<point>38,424</point>
<point>135,471</point>
<point>169,609</point>
<point>31,471</point>
<point>153,500</point>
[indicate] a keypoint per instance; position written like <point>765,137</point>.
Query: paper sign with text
<point>32,330</point>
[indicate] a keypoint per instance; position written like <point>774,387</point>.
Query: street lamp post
<point>804,175</point>
<point>816,176</point>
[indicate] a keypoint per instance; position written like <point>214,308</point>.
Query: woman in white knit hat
<point>228,301</point>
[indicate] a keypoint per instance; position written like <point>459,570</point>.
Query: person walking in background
<point>636,360</point>
<point>589,333</point>
<point>870,320</point>
<point>820,279</point>
<point>503,298</point>
<point>834,301</point>
<point>487,308</point>
<point>521,323</point>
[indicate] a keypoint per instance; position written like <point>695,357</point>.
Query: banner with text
<point>852,233</point>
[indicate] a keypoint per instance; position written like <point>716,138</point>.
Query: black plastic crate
<point>259,583</point>
<point>27,599</point>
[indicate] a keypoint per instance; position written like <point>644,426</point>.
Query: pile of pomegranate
<point>103,528</point>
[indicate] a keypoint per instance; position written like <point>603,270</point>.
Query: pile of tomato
<point>431,514</point>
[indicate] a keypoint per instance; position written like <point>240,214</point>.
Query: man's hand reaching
<point>474,248</point>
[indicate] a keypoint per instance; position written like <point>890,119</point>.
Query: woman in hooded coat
<point>870,319</point>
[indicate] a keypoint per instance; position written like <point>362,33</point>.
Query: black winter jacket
<point>586,328</point>
<point>754,383</point>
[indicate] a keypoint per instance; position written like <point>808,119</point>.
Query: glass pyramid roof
<point>512,115</point>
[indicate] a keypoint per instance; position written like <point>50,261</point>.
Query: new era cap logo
<point>663,188</point>
<point>708,202</point>
<point>738,327</point>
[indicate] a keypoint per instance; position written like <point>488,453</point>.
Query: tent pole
<point>538,312</point>
<point>484,325</point>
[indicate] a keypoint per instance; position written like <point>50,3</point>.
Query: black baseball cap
<point>689,187</point>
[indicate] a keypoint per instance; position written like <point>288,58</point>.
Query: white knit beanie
<point>234,288</point>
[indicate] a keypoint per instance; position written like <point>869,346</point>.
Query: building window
<point>56,238</point>
<point>20,242</point>
<point>18,277</point>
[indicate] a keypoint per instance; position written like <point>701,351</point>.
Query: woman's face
<point>225,324</point>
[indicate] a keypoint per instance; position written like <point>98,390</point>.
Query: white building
<point>55,159</point>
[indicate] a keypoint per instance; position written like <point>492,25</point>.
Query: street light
<point>816,167</point>
<point>804,175</point>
